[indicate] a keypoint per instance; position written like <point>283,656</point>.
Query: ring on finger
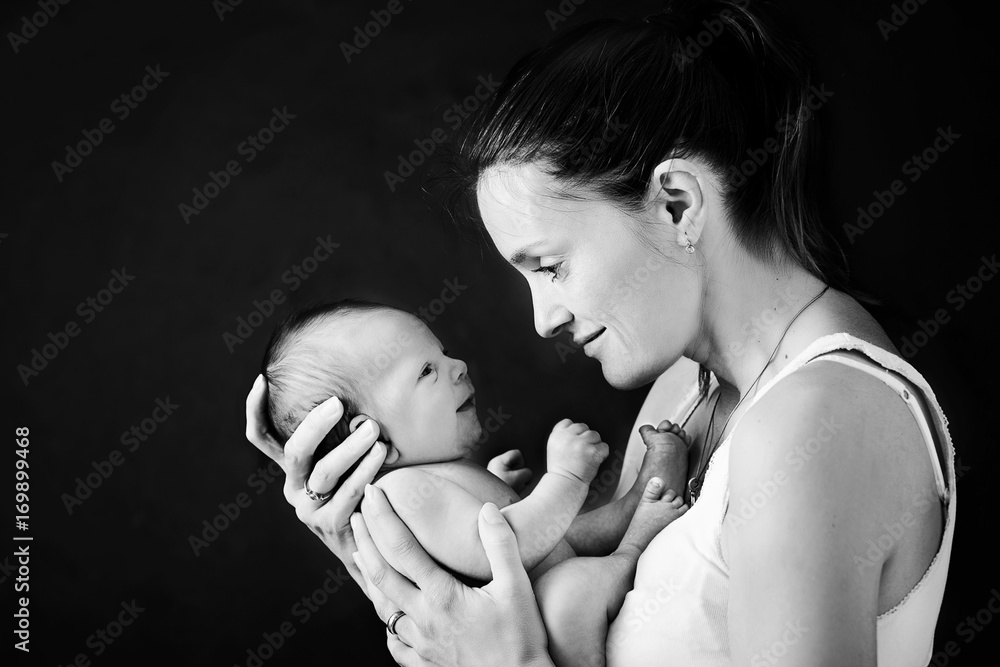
<point>321,497</point>
<point>390,625</point>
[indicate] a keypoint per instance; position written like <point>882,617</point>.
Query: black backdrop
<point>223,71</point>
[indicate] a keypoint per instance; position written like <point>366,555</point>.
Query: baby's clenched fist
<point>576,452</point>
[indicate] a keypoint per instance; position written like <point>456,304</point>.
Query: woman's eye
<point>552,270</point>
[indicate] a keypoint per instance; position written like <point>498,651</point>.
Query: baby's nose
<point>459,370</point>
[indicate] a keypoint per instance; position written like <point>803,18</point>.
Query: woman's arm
<point>810,483</point>
<point>447,623</point>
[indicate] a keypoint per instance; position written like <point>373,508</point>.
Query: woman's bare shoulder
<point>835,426</point>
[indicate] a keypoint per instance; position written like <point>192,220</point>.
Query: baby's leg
<point>600,531</point>
<point>580,597</point>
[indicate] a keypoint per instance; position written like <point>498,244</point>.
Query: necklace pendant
<point>694,488</point>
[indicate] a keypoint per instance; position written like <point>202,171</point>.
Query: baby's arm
<point>600,531</point>
<point>444,517</point>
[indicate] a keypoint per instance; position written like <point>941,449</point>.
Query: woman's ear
<point>678,198</point>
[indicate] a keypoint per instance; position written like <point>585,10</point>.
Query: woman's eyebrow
<point>517,259</point>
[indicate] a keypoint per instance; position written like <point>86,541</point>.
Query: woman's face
<point>623,288</point>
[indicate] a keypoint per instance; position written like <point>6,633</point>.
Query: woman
<point>656,200</point>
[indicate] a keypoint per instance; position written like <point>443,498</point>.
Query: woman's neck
<point>746,309</point>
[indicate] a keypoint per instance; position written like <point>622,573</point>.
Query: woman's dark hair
<point>605,103</point>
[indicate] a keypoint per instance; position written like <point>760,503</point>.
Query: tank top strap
<point>913,401</point>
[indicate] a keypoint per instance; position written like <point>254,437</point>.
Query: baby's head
<point>383,364</point>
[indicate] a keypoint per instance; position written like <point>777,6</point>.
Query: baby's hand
<point>576,452</point>
<point>510,468</point>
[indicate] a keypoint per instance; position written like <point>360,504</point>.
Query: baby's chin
<point>469,441</point>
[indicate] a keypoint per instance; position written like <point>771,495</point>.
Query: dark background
<point>162,336</point>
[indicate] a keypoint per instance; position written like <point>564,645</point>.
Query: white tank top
<point>676,613</point>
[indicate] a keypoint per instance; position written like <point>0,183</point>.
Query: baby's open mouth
<point>469,403</point>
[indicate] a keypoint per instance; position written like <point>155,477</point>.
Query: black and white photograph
<point>537,333</point>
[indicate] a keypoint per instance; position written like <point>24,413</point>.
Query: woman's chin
<point>625,378</point>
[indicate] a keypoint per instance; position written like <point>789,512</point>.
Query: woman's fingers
<point>402,551</point>
<point>388,590</point>
<point>329,469</point>
<point>403,654</point>
<point>500,545</point>
<point>302,445</point>
<point>258,432</point>
<point>350,492</point>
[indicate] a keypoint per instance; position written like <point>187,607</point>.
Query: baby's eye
<point>426,371</point>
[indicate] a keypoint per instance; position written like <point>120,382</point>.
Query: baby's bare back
<point>472,477</point>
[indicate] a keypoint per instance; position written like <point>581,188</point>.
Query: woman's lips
<point>592,339</point>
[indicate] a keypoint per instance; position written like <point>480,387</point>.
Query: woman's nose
<point>550,318</point>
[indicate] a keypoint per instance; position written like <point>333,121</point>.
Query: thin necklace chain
<point>694,484</point>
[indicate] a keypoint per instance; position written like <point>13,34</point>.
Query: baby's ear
<point>357,421</point>
<point>392,454</point>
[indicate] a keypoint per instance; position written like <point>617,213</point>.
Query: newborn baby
<point>385,364</point>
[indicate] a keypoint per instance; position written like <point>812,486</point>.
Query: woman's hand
<point>510,468</point>
<point>329,519</point>
<point>447,623</point>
